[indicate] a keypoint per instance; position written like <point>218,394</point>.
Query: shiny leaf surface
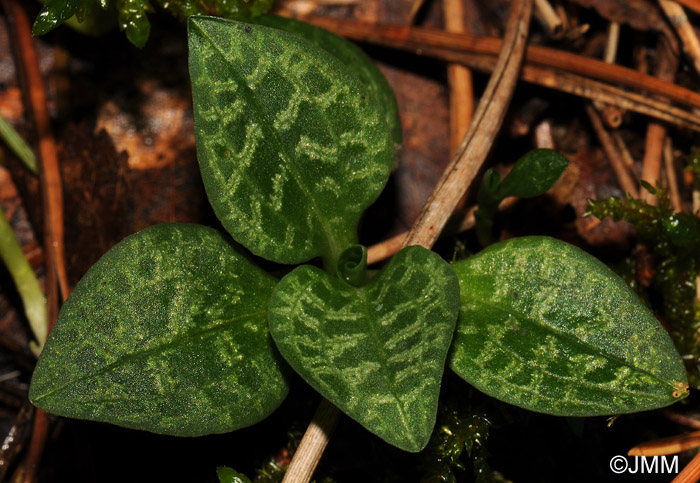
<point>292,147</point>
<point>547,327</point>
<point>377,352</point>
<point>167,332</point>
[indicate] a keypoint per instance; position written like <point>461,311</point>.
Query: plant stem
<point>313,444</point>
<point>25,281</point>
<point>18,145</point>
<point>52,195</point>
<point>487,120</point>
<point>49,173</point>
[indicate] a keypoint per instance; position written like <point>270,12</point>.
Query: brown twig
<point>676,15</point>
<point>549,16</point>
<point>459,80</point>
<point>424,232</point>
<point>50,175</point>
<point>476,144</point>
<point>415,8</point>
<point>579,86</point>
<point>683,419</point>
<point>656,133</point>
<point>666,446</point>
<point>390,247</point>
<point>671,177</point>
<point>691,473</point>
<point>611,115</point>
<point>52,197</point>
<point>694,5</point>
<point>420,39</point>
<point>623,149</point>
<point>626,181</point>
<point>651,164</point>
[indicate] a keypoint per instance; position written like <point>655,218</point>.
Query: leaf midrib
<point>147,352</point>
<point>390,380</point>
<point>289,160</point>
<point>571,338</point>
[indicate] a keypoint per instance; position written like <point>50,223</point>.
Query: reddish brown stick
<point>416,39</point>
<point>50,175</point>
<point>691,473</point>
<point>691,4</point>
<point>666,446</point>
<point>52,196</point>
<point>459,80</point>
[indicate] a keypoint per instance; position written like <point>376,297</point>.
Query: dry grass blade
<point>671,177</point>
<point>476,144</point>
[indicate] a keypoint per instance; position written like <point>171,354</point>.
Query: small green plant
<point>176,331</point>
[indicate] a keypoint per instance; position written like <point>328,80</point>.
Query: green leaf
<point>229,475</point>
<point>354,58</point>
<point>488,200</point>
<point>533,174</point>
<point>55,12</point>
<point>547,327</point>
<point>377,352</point>
<point>291,145</point>
<point>167,332</point>
<point>134,21</point>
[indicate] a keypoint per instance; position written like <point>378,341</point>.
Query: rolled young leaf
<point>377,352</point>
<point>167,332</point>
<point>547,327</point>
<point>292,147</point>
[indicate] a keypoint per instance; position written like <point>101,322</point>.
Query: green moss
<point>674,241</point>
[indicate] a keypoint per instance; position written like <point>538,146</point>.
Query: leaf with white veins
<point>377,351</point>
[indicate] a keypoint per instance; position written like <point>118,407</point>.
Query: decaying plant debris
<point>121,121</point>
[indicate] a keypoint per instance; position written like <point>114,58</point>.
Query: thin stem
<point>52,195</point>
<point>313,444</point>
<point>488,119</point>
<point>17,145</point>
<point>26,282</point>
